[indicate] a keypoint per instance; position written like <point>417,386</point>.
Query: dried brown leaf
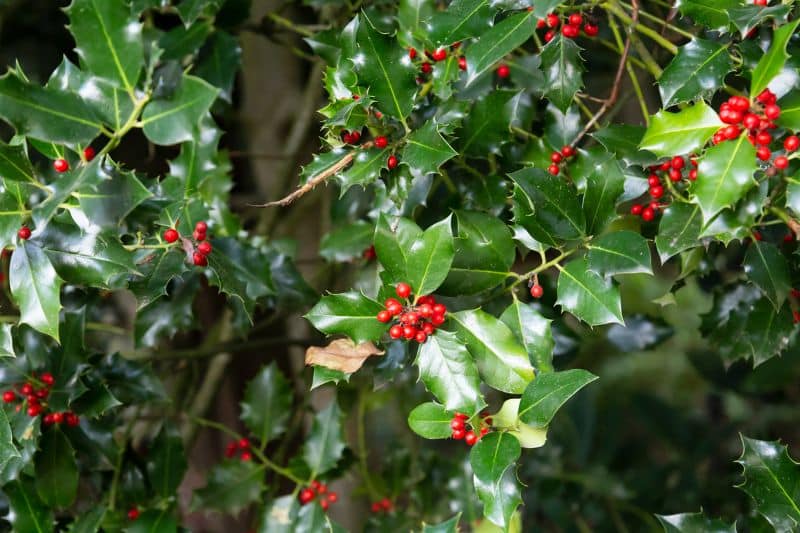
<point>341,354</point>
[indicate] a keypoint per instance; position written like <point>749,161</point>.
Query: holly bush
<point>547,250</point>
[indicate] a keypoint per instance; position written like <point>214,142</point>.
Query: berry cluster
<point>675,169</point>
<point>383,506</point>
<point>242,445</point>
<point>438,55</point>
<point>559,157</point>
<point>202,248</point>
<point>571,28</point>
<point>415,320</point>
<point>308,494</point>
<point>61,165</point>
<point>459,426</point>
<point>35,399</point>
<point>351,137</point>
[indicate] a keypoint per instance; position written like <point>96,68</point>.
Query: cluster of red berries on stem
<point>61,165</point>
<point>308,494</point>
<point>351,137</point>
<point>35,398</point>
<point>675,169</point>
<point>202,247</point>
<point>415,321</point>
<point>438,55</point>
<point>242,445</point>
<point>571,28</point>
<point>558,157</point>
<point>470,436</point>
<point>383,506</point>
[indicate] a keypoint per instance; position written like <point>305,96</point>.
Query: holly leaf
<point>547,207</point>
<point>449,372</point>
<point>588,296</point>
<point>14,164</point>
<point>8,451</point>
<point>36,288</point>
<point>747,17</point>
<point>191,10</point>
<point>426,150</point>
<point>267,404</point>
<point>563,69</point>
<point>77,178</point>
<point>56,469</point>
<point>351,314</point>
<point>790,111</point>
<point>484,253</point>
<point>46,114</point>
<point>218,62</point>
<point>174,120</point>
<point>157,271</point>
<point>545,395</point>
<point>486,127</point>
<point>605,183</point>
<point>347,243</point>
<point>286,515</point>
<point>697,70</point>
<point>768,269</point>
<point>325,444</point>
<point>493,454</point>
<point>681,133</point>
<point>724,176</point>
<point>772,479</point>
<point>502,361</point>
<point>154,520</point>
<point>12,208</point>
<point>240,271</point>
<point>383,66</point>
<point>431,421</point>
<point>28,512</point>
<point>773,61</point>
<point>461,20</point>
<point>411,15</point>
<point>231,486</point>
<point>712,14</point>
<point>752,330</point>
<point>366,168</point>
<point>109,40</point>
<point>494,44</point>
<point>109,201</point>
<point>448,526</point>
<point>533,330</point>
<point>620,252</point>
<point>694,523</point>
<point>678,230</point>
<point>166,462</point>
<point>500,496</point>
<point>543,7</point>
<point>623,140</point>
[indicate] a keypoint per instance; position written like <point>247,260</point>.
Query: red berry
<point>537,291</point>
<point>425,310</point>
<point>763,138</point>
<point>503,71</point>
<point>428,328</point>
<point>381,142</point>
<point>41,394</point>
<point>324,504</point>
<point>549,36</point>
<point>386,503</point>
<point>230,450</point>
<point>439,309</point>
<point>60,165</point>
<point>458,434</point>
<point>333,497</point>
<point>567,151</point>
<point>781,162</point>
<point>58,418</point>
<point>306,495</point>
<point>570,31</point>
<point>556,157</point>
<point>246,456</point>
<point>439,54</point>
<point>412,53</point>
<point>575,19</point>
<point>751,121</point>
<point>426,68</point>
<point>462,416</point>
<point>462,63</point>
<point>539,23</point>
<point>199,235</point>
<point>133,513</point>
<point>9,396</point>
<point>392,162</point>
<point>48,419</point>
<point>384,316</point>
<point>171,235</point>
<point>243,444</point>
<point>403,290</point>
<point>675,175</point>
<point>731,132</point>
<point>648,214</point>
<point>657,191</point>
<point>552,20</point>
<point>24,233</point>
<point>553,169</point>
<point>763,153</point>
<point>791,143</point>
<point>88,153</point>
<point>72,419</point>
<point>457,423</point>
<point>470,438</point>
<point>421,337</point>
<point>636,209</point>
<point>437,320</point>
<point>484,431</point>
<point>369,253</point>
<point>772,111</point>
<point>204,247</point>
<point>591,29</point>
<point>796,316</point>
<point>396,332</point>
<point>693,174</point>
<point>34,410</point>
<point>26,389</point>
<point>409,332</point>
<point>201,227</point>
<point>199,259</point>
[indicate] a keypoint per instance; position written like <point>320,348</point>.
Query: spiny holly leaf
<point>772,479</point>
<point>462,19</point>
<point>218,62</point>
<point>365,169</point>
<point>678,230</point>
<point>384,67</point>
<point>46,114</point>
<point>109,40</point>
<point>588,296</point>
<point>351,314</point>
<point>735,222</point>
<point>56,469</point>
<point>173,120</point>
<point>753,330</point>
<point>484,253</point>
<point>426,150</point>
<point>681,133</point>
<point>36,288</point>
<point>347,242</point>
<point>86,175</point>
<point>431,421</point>
<point>620,252</point>
<point>448,526</point>
<point>6,350</point>
<point>28,512</point>
<point>501,39</point>
<point>547,207</point>
<point>698,69</point>
<point>545,395</point>
<point>605,183</point>
<point>773,61</point>
<point>181,41</point>
<point>724,175</point>
<point>444,75</point>
<point>286,515</point>
<point>502,361</point>
<point>157,271</point>
<point>790,111</point>
<point>12,209</point>
<point>712,14</point>
<point>166,462</point>
<point>325,443</point>
<point>694,523</point>
<point>768,269</point>
<point>493,454</point>
<point>8,451</point>
<point>563,68</point>
<point>500,496</point>
<point>108,202</point>
<point>749,16</point>
<point>231,486</point>
<point>449,372</point>
<point>421,259</point>
<point>486,127</point>
<point>267,404</point>
<point>14,164</point>
<point>533,330</point>
<point>89,522</point>
<point>543,7</point>
<point>411,15</point>
<point>240,271</point>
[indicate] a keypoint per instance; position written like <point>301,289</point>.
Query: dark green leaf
<point>588,296</point>
<point>347,242</point>
<point>623,140</point>
<point>365,169</point>
<point>12,209</point>
<point>28,513</point>
<point>620,252</point>
<point>563,68</point>
<point>699,69</point>
<point>157,271</point>
<point>449,372</point>
<point>56,469</point>
<point>86,175</point>
<point>14,164</point>
<point>773,61</point>
<point>694,523</point>
<point>240,271</point>
<point>605,183</point>
<point>267,404</point>
<point>231,486</point>
<point>500,497</point>
<point>108,201</point>
<point>166,462</point>
<point>89,522</point>
<point>462,19</point>
<point>411,14</point>
<point>325,444</point>
<point>486,127</point>
<point>219,61</point>
<point>768,269</point>
<point>493,454</point>
<point>683,132</point>
<point>8,451</point>
<point>543,7</point>
<point>191,10</point>
<point>351,314</point>
<point>724,175</point>
<point>533,330</point>
<point>174,120</point>
<point>747,17</point>
<point>154,521</point>
<point>678,230</point>
<point>501,39</point>
<point>426,150</point>
<point>752,330</point>
<point>790,111</point>
<point>431,421</point>
<point>545,395</point>
<point>710,13</point>
<point>36,288</point>
<point>448,526</point>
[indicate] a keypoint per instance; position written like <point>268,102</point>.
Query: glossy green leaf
<point>154,521</point>
<point>109,40</point>
<point>681,133</point>
<point>240,271</point>
<point>351,314</point>
<point>84,176</point>
<point>712,14</point>
<point>502,39</point>
<point>448,526</point>
<point>411,15</point>
<point>157,272</point>
<point>752,330</point>
<point>773,61</point>
<point>772,479</point>
<point>605,183</point>
<point>748,16</point>
<point>56,469</point>
<point>36,288</point>
<point>486,127</point>
<point>191,10</point>
<point>431,421</point>
<point>347,242</point>
<point>694,523</point>
<point>543,7</point>
<point>484,253</point>
<point>724,175</point>
<point>449,372</point>
<point>89,522</point>
<point>8,451</point>
<point>286,515</point>
<point>6,350</point>
<point>533,330</point>
<point>623,140</point>
<point>28,512</point>
<point>173,120</point>
<point>698,70</point>
<point>109,201</point>
<point>426,150</point>
<point>493,454</point>
<point>267,404</point>
<point>545,395</point>
<point>790,111</point>
<point>325,444</point>
<point>768,269</point>
<point>620,252</point>
<point>365,169</point>
<point>231,486</point>
<point>462,19</point>
<point>678,230</point>
<point>547,207</point>
<point>587,295</point>
<point>218,62</point>
<point>14,164</point>
<point>12,208</point>
<point>166,462</point>
<point>500,497</point>
<point>563,69</point>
